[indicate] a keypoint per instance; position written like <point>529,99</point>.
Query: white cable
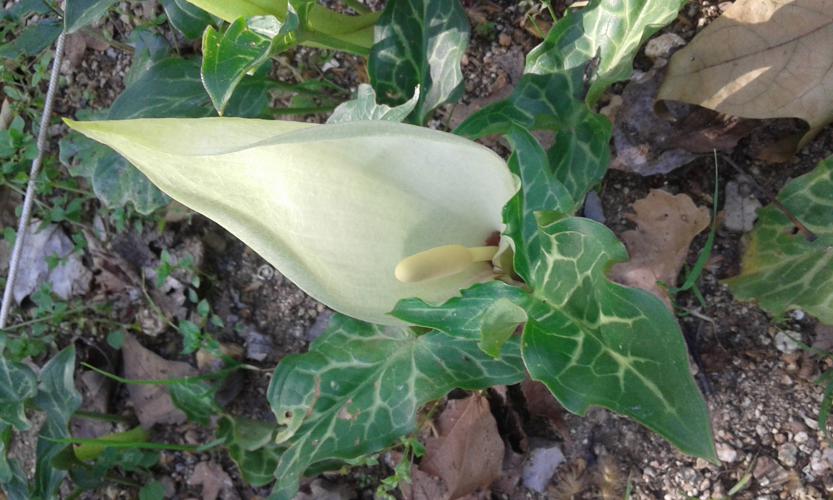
<point>26,213</point>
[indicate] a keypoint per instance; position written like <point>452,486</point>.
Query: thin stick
<point>26,213</point>
<point>768,195</point>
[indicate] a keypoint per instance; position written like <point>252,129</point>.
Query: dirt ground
<point>759,385</point>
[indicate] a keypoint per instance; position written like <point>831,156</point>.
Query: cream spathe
<point>335,208</point>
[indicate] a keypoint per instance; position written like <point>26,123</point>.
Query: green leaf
<point>540,191</point>
<point>359,387</point>
<point>18,383</point>
<point>596,343</point>
<point>115,339</point>
<point>170,87</point>
<point>250,445</point>
<point>364,107</point>
<point>23,8</point>
<point>191,336</point>
<point>196,399</point>
<point>463,316</point>
<point>498,324</point>
<point>33,40</point>
<point>148,48</point>
<point>152,491</point>
<point>227,57</point>
<point>58,398</point>
<point>6,473</point>
<point>114,180</point>
<point>612,30</point>
<point>188,19</point>
<point>581,153</point>
<point>419,42</point>
<point>553,91</point>
<point>17,487</point>
<point>79,13</point>
<point>782,269</point>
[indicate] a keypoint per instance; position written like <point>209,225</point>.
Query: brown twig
<point>765,194</point>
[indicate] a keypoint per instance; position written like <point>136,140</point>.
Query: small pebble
<point>662,45</point>
<point>784,341</point>
<point>787,454</point>
<point>725,453</point>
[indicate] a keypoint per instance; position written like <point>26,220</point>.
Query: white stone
<point>726,453</point>
<point>662,45</point>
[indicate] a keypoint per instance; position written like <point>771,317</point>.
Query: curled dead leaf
<point>152,403</point>
<point>468,453</point>
<point>760,59</point>
<point>666,226</point>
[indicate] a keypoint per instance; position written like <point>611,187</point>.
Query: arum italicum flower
<point>344,210</point>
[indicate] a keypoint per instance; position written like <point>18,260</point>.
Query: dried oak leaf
<point>152,403</point>
<point>760,59</point>
<point>666,226</point>
<point>468,453</point>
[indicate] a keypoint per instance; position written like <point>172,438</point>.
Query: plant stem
<point>46,318</point>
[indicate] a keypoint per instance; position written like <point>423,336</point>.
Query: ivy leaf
<point>498,324</point>
<point>364,107</point>
<point>610,31</point>
<point>33,40</point>
<point>17,487</point>
<point>6,473</point>
<point>419,42</point>
<point>148,48</point>
<point>581,153</point>
<point>188,19</point>
<point>58,398</point>
<point>170,87</point>
<point>781,268</point>
<point>79,13</point>
<point>593,342</point>
<point>462,316</point>
<point>540,191</point>
<point>114,180</point>
<point>227,57</point>
<point>359,387</point>
<point>196,399</point>
<point>18,384</point>
<point>553,94</point>
<point>250,445</point>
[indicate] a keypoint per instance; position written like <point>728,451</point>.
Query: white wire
<point>26,213</point>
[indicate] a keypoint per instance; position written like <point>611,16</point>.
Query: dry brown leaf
<point>152,403</point>
<point>95,390</point>
<point>649,144</point>
<point>423,486</point>
<point>541,403</point>
<point>761,59</point>
<point>666,226</point>
<point>212,478</point>
<point>468,454</point>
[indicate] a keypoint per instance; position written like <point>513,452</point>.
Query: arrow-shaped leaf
<point>227,57</point>
<point>594,342</point>
<point>59,399</point>
<point>359,387</point>
<point>364,107</point>
<point>18,383</point>
<point>783,267</point>
<point>419,42</point>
